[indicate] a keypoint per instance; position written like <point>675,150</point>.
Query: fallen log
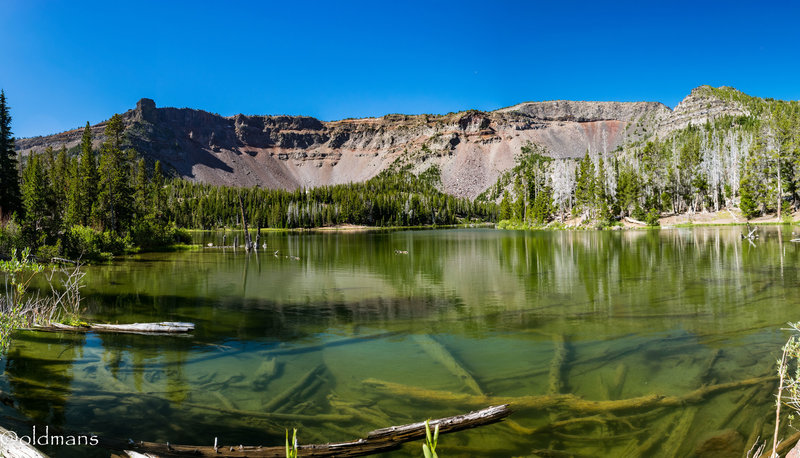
<point>564,401</point>
<point>164,327</point>
<point>11,446</point>
<point>380,440</point>
<point>635,221</point>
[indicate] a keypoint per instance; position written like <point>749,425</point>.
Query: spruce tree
<point>75,206</point>
<point>141,190</point>
<point>86,180</point>
<point>35,194</point>
<point>157,195</point>
<point>114,208</point>
<point>585,183</point>
<point>505,207</point>
<point>10,200</point>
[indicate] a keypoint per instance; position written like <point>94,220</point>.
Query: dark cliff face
<point>471,148</point>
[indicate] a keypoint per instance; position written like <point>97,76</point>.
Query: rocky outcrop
<point>567,110</point>
<point>471,148</point>
<point>699,107</point>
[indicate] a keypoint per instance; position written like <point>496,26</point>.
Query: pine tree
<point>86,180</point>
<point>10,198</point>
<point>585,183</point>
<point>75,206</point>
<point>114,209</point>
<point>141,191</point>
<point>505,207</point>
<point>157,196</point>
<point>35,194</point>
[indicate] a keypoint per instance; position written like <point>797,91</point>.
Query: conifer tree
<point>505,207</point>
<point>73,215</point>
<point>114,208</point>
<point>141,190</point>
<point>86,180</point>
<point>157,197</point>
<point>35,194</point>
<point>10,199</point>
<point>585,183</point>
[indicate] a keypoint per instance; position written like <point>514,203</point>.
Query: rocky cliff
<point>471,148</point>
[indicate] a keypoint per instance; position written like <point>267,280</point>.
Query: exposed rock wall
<point>472,148</point>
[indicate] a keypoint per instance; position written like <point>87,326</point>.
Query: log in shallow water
<point>564,401</point>
<point>380,440</point>
<point>164,327</point>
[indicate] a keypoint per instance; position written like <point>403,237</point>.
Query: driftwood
<point>165,327</point>
<point>380,440</point>
<point>16,448</point>
<point>564,401</point>
<point>635,221</point>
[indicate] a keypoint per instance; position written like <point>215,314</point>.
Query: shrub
<point>652,217</point>
<point>83,242</point>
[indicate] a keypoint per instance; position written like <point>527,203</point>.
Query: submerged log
<point>164,327</point>
<point>784,446</point>
<point>556,380</point>
<point>380,440</point>
<point>279,400</point>
<point>564,401</point>
<point>443,356</point>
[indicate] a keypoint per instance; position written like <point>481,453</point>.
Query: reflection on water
<point>470,316</point>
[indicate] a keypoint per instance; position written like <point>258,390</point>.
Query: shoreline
<point>709,219</point>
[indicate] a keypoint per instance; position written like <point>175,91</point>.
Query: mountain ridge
<point>472,148</point>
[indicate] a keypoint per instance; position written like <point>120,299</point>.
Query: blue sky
<point>64,63</point>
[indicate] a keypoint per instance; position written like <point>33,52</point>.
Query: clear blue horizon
<point>66,63</point>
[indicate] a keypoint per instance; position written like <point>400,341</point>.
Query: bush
<point>638,213</point>
<point>149,234</point>
<point>85,243</point>
<point>652,218</point>
<point>47,252</point>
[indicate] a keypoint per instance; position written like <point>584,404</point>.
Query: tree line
<point>95,203</point>
<point>749,162</point>
<point>392,198</point>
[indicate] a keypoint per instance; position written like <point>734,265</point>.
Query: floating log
<point>380,440</point>
<point>565,401</point>
<point>165,327</point>
<point>16,448</point>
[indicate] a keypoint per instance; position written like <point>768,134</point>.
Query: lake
<point>336,333</point>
